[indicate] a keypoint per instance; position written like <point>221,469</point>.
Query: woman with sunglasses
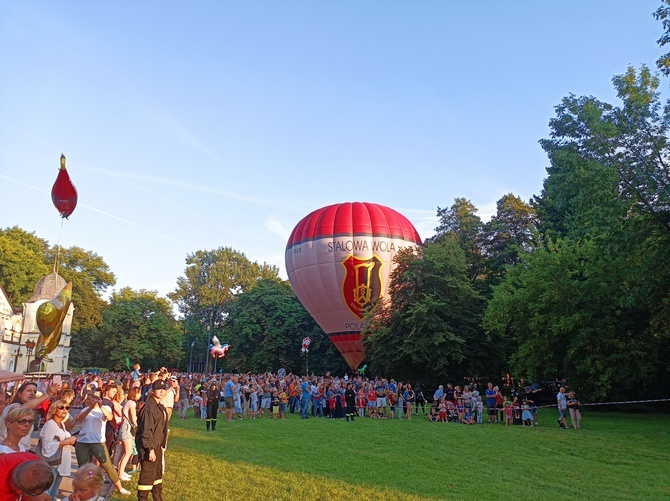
<point>54,434</point>
<point>19,424</point>
<point>26,397</point>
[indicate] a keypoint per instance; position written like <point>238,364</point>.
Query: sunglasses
<point>63,407</point>
<point>25,421</point>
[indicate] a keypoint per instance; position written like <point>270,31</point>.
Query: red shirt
<point>7,464</point>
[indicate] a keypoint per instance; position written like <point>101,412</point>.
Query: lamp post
<point>190,358</point>
<point>207,351</point>
<point>30,346</point>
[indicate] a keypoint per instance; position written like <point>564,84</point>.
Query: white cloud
<point>275,226</point>
<point>181,132</point>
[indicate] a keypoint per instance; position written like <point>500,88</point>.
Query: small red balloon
<point>63,192</point>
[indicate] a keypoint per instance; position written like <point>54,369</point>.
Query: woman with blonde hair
<point>19,424</point>
<point>55,435</point>
<point>26,397</point>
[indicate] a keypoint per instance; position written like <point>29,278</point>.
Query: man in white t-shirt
<point>171,395</point>
<point>562,408</point>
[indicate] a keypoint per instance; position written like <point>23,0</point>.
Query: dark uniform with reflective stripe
<point>152,430</point>
<point>213,400</point>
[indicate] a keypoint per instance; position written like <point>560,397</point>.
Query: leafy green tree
<point>565,310</point>
<point>642,155</point>
<point>212,279</point>
<point>88,349</point>
<point>22,263</point>
<point>429,329</point>
<point>509,234</point>
<point>26,258</point>
<point>663,14</point>
<point>140,325</point>
<point>90,277</point>
<point>211,282</point>
<point>461,219</point>
<point>628,143</point>
<point>265,327</point>
<point>593,304</point>
<point>580,194</point>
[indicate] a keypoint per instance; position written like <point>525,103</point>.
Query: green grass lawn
<point>614,455</point>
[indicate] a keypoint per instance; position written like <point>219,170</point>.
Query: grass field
<point>614,456</point>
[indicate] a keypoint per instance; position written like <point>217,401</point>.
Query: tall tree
<point>429,328</point>
<point>628,141</point>
<point>140,326</point>
<point>663,14</point>
<point>26,258</point>
<point>594,304</point>
<point>211,281</point>
<point>22,263</point>
<point>461,220</point>
<point>568,309</point>
<point>509,234</point>
<point>90,277</point>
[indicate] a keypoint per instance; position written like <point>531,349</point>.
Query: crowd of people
<point>122,419</point>
<point>270,395</point>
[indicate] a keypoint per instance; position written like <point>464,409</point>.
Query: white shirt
<point>93,427</point>
<point>49,445</point>
<point>168,399</point>
<point>7,450</point>
<point>562,402</point>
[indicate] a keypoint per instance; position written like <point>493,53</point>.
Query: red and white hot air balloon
<point>339,259</point>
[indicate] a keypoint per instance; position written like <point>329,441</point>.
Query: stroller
<point>452,415</point>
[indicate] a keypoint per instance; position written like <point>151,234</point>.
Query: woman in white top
<point>91,441</point>
<point>54,435</point>
<point>19,424</point>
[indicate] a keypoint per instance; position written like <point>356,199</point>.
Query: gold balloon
<point>50,317</point>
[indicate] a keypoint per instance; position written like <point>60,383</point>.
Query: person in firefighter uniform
<point>151,437</point>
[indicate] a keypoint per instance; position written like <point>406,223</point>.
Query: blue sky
<point>196,125</point>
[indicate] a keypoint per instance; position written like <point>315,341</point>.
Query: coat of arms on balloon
<point>339,259</point>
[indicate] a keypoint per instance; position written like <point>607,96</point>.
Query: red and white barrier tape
<point>623,402</point>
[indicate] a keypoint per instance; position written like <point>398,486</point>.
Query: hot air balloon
<point>63,192</point>
<point>339,259</point>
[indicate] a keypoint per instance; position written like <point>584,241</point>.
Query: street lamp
<point>190,358</point>
<point>207,351</point>
<point>30,346</point>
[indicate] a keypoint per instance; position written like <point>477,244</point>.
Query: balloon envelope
<point>63,192</point>
<point>50,316</point>
<point>339,259</point>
